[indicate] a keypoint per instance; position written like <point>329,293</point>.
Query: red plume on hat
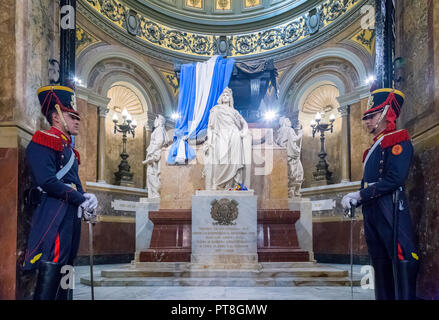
<point>385,100</point>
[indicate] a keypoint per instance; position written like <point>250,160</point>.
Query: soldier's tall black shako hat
<point>64,97</point>
<point>380,98</point>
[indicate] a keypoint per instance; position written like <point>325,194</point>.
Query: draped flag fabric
<point>201,84</point>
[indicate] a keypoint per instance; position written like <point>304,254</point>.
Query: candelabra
<point>128,126</point>
<point>322,176</point>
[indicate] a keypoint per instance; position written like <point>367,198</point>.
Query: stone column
<point>345,143</point>
<point>101,103</point>
<point>345,102</point>
<point>103,110</point>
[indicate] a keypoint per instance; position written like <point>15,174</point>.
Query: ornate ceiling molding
<point>154,38</point>
<point>232,15</point>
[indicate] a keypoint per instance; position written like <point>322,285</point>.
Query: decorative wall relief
<point>313,21</point>
<point>171,81</point>
<point>198,4</point>
<point>366,38</point>
<point>83,39</point>
<point>223,46</point>
<point>223,5</point>
<point>251,3</point>
<point>133,23</point>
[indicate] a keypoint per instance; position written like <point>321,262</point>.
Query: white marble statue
<point>228,146</point>
<point>159,140</point>
<point>287,138</point>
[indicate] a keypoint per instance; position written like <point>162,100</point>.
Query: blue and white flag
<point>201,84</point>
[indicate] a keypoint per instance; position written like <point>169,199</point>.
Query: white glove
<point>87,209</point>
<point>351,199</point>
<point>91,202</point>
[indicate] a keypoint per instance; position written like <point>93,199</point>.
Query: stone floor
<point>83,292</point>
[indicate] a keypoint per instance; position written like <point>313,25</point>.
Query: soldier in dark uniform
<point>57,196</point>
<point>386,167</point>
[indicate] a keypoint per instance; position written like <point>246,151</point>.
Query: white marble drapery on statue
<point>287,138</point>
<point>159,140</point>
<point>228,146</point>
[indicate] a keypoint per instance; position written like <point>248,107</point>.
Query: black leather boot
<point>64,294</point>
<point>407,273</point>
<point>49,276</point>
<point>384,286</point>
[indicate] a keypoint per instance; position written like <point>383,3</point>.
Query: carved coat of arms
<point>224,212</point>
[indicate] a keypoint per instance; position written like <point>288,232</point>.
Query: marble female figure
<point>288,139</point>
<point>227,148</point>
<point>159,140</point>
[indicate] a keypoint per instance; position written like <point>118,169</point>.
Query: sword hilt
<point>350,213</point>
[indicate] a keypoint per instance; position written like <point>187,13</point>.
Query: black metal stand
<point>322,175</point>
<point>124,177</point>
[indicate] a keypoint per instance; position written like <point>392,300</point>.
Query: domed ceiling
<point>194,29</point>
<point>235,13</point>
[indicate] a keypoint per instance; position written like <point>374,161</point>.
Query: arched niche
<point>320,96</point>
<point>125,95</point>
<point>100,64</point>
<point>351,59</point>
<point>337,67</point>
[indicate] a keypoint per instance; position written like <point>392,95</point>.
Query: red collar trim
<point>382,133</point>
<point>61,134</point>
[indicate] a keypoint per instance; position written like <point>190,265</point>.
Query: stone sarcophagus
<point>275,238</point>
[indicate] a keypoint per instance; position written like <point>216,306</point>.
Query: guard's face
<point>371,121</point>
<point>72,123</point>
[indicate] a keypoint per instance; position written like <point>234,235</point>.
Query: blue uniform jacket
<point>386,169</point>
<point>46,154</point>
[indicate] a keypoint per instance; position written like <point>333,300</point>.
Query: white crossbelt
<point>61,173</point>
<point>371,150</point>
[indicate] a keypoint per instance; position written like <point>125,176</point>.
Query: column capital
<point>91,97</point>
<point>363,91</point>
<point>103,111</point>
<point>344,110</point>
<point>355,96</point>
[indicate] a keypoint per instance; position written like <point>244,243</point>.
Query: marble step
<point>219,282</point>
<point>187,265</point>
<point>215,273</point>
